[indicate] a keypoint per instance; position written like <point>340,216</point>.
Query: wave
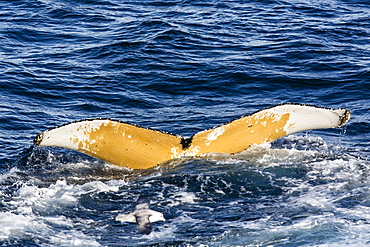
<point>313,192</point>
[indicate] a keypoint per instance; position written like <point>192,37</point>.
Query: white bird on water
<point>142,216</point>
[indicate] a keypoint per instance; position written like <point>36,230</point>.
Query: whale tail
<point>136,147</point>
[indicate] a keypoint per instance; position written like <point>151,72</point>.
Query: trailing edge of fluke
<point>136,147</point>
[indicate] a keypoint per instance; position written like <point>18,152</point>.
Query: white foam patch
<point>162,232</point>
<point>8,174</point>
<point>58,195</point>
<point>36,213</point>
<point>264,155</point>
<point>322,199</point>
<point>17,226</point>
<point>326,229</point>
<point>182,197</point>
<point>26,225</point>
<point>185,197</point>
<point>74,238</point>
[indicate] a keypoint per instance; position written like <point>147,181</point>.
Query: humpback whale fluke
<point>136,147</point>
<point>142,215</point>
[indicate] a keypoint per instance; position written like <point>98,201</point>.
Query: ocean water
<point>185,66</point>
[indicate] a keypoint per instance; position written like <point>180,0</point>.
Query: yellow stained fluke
<point>115,142</point>
<point>135,147</point>
<point>127,145</point>
<point>240,134</point>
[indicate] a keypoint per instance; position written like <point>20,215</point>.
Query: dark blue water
<point>184,66</point>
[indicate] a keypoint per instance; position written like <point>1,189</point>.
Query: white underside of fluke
<point>71,135</point>
<point>304,117</point>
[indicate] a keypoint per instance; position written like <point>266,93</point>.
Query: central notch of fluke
<point>186,142</point>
